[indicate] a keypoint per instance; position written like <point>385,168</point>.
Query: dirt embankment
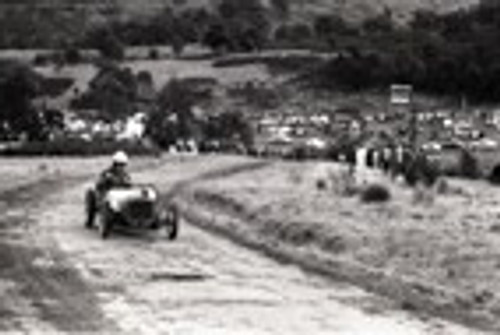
<point>437,257</point>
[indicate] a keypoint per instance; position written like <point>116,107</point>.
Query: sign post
<point>401,97</point>
<point>401,94</point>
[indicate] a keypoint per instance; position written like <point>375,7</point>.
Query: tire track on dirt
<point>41,291</point>
<point>46,294</point>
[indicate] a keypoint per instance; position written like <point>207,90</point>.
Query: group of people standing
<point>394,161</point>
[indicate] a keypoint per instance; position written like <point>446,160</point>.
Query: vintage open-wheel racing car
<point>131,207</point>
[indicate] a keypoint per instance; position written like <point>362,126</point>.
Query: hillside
<point>306,9</point>
<point>299,9</point>
<point>355,10</point>
<point>42,23</point>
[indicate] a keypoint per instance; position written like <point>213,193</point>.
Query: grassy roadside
<point>441,257</point>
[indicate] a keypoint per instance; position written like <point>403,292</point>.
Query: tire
<point>90,209</point>
<point>171,223</point>
<point>106,223</point>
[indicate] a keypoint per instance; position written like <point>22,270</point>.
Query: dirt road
<point>142,284</point>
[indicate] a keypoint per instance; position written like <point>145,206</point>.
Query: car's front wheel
<point>106,220</point>
<point>170,223</point>
<point>90,209</point>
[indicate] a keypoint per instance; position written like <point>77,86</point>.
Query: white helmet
<point>120,158</point>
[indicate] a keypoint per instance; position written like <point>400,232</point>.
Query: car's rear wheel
<point>170,224</point>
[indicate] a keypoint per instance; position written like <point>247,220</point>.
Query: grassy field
<point>164,70</point>
<point>17,172</point>
<point>450,243</point>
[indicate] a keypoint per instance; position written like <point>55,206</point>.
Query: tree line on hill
<point>233,25</point>
<point>456,54</point>
<point>453,54</point>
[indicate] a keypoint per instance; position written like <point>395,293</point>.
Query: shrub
<point>430,174</point>
<point>442,187</point>
<point>72,55</point>
<point>423,170</point>
<point>153,54</point>
<point>469,165</point>
<point>321,185</point>
<point>375,193</point>
<point>41,59</point>
<point>494,177</point>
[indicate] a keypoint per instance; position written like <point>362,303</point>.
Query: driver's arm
<point>105,181</point>
<point>126,179</point>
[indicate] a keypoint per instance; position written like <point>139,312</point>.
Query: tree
<point>217,38</point>
<point>18,86</point>
<point>230,126</point>
<point>242,25</point>
<point>173,118</point>
<point>113,91</point>
<point>379,24</point>
<point>282,6</point>
<point>326,26</point>
<point>106,42</point>
<point>426,20</point>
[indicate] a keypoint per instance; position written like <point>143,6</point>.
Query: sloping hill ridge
<point>306,9</point>
<point>355,10</point>
<point>350,9</point>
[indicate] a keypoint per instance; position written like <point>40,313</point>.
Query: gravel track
<point>69,280</point>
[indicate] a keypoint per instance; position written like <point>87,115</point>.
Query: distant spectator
<point>386,159</point>
<point>376,158</point>
<point>361,156</point>
<point>351,160</point>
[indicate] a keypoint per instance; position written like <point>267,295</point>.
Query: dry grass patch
<point>450,243</point>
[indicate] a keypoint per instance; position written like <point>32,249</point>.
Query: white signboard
<point>401,94</point>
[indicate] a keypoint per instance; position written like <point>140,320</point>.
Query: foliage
<point>72,55</point>
<point>494,176</point>
<point>18,86</point>
<point>229,126</point>
<point>453,54</point>
<point>245,26</point>
<point>112,91</point>
<point>240,25</point>
<point>375,193</point>
<point>282,7</point>
<point>23,27</point>
<point>173,118</point>
<point>421,169</point>
<point>294,33</point>
<point>469,165</point>
<point>107,42</point>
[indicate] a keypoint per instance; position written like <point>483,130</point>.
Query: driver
<point>116,175</point>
